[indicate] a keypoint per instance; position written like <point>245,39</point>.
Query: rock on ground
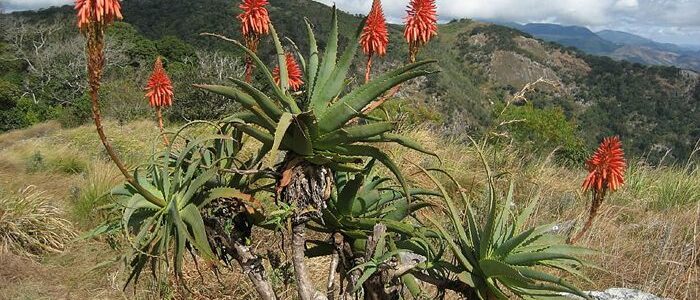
<point>619,294</point>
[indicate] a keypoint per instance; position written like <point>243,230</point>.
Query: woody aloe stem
<point>95,62</point>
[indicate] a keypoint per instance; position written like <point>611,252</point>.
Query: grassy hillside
<point>646,233</point>
<point>654,109</point>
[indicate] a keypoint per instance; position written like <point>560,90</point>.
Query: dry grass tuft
<point>30,225</point>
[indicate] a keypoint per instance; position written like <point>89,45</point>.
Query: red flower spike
<point>293,73</point>
<point>255,20</point>
<point>101,11</point>
<point>375,37</point>
<point>421,24</point>
<point>606,167</point>
<point>159,88</point>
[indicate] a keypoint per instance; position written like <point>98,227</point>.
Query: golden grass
<point>647,232</point>
<point>30,225</point>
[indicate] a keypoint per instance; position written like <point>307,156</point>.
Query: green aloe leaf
<point>244,99</point>
<point>280,133</point>
<point>401,140</point>
<point>347,196</point>
<point>261,136</point>
<point>266,103</point>
<point>527,212</point>
<point>226,193</point>
<point>541,276</point>
<point>335,82</point>
<point>136,203</point>
<point>376,153</point>
<point>454,217</point>
<point>180,239</point>
<point>533,258</point>
<point>366,274</point>
<point>351,105</point>
<point>353,134</point>
<point>402,209</point>
<point>466,263</point>
<point>312,67</point>
<point>514,242</point>
<point>196,185</point>
<point>191,216</point>
<point>260,66</point>
<point>318,104</point>
<point>494,268</point>
<point>281,60</point>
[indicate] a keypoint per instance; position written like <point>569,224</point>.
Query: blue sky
<point>675,21</point>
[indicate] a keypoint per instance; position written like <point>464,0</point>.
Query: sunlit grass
<point>30,225</point>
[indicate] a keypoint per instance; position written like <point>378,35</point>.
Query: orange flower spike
<point>375,37</point>
<point>606,167</point>
<point>101,11</point>
<point>255,19</point>
<point>293,73</point>
<point>421,24</point>
<point>159,88</point>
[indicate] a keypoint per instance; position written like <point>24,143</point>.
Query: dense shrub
<point>541,131</point>
<point>76,114</point>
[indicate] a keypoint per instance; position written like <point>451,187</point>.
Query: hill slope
<point>654,109</point>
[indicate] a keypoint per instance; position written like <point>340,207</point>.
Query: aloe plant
<point>185,181</point>
<point>361,202</point>
<point>502,254</point>
<point>316,125</point>
<point>318,128</point>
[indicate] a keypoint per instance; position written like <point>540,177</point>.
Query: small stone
<point>618,294</point>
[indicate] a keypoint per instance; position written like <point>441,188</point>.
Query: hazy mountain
<point>615,44</point>
<point>572,36</point>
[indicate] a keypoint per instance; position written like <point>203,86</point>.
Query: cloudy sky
<point>676,21</point>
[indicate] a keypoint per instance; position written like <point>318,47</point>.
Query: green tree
<point>175,49</point>
<point>543,130</point>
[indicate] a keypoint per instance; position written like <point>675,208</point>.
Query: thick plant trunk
<point>228,226</point>
<point>305,286</point>
<point>306,187</point>
<point>379,286</point>
<point>254,269</point>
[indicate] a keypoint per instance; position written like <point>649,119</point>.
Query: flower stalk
<point>421,25</point>
<point>375,36</point>
<point>255,22</point>
<point>92,19</point>
<point>606,173</point>
<point>160,94</point>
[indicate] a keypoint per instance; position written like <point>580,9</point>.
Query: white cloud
<point>666,20</point>
<point>12,5</point>
<point>670,20</point>
<point>626,4</point>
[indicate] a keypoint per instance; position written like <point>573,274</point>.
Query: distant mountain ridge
<point>619,45</point>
